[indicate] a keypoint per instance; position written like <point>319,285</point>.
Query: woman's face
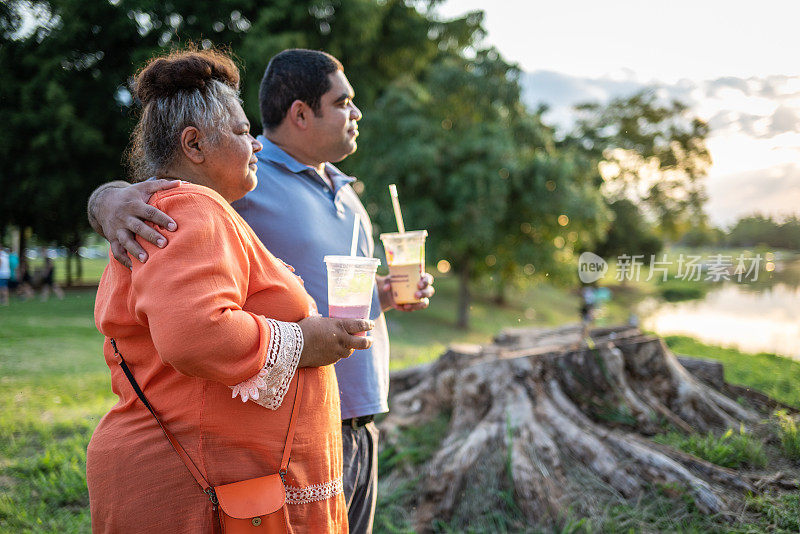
<point>231,162</point>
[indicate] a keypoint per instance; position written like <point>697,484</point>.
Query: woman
<point>211,313</point>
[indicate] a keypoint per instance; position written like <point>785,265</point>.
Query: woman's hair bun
<point>184,71</point>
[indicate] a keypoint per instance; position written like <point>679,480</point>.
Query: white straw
<point>396,205</point>
<point>354,243</point>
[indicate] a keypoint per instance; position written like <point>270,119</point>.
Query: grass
<point>780,513</point>
<point>666,508</point>
<point>53,390</point>
<point>731,449</point>
<point>788,433</point>
<point>774,375</point>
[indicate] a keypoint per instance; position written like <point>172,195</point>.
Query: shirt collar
<point>275,154</point>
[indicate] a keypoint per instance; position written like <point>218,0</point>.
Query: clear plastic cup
<point>405,255</point>
<point>350,283</point>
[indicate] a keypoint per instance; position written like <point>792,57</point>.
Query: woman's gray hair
<point>156,138</point>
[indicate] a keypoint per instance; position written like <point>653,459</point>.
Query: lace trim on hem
<point>268,387</point>
<point>316,492</point>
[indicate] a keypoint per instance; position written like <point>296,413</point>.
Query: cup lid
<point>416,234</point>
<point>353,260</point>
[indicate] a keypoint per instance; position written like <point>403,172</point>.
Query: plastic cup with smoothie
<point>350,283</point>
<point>405,255</point>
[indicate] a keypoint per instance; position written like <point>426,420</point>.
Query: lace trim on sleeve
<point>268,387</point>
<point>313,493</point>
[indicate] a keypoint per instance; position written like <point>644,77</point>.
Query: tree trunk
<point>549,420</point>
<point>463,295</point>
<point>499,297</point>
<point>23,242</point>
<point>68,264</point>
<point>79,267</point>
<point>75,248</point>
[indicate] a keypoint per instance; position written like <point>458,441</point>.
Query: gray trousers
<point>360,447</point>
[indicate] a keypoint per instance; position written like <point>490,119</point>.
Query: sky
<point>736,63</point>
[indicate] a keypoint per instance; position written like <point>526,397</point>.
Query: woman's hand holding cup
<point>327,340</point>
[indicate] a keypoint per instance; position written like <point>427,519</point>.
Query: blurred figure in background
<point>588,304</point>
<point>5,275</point>
<point>48,280</point>
<point>13,282</point>
<point>24,279</point>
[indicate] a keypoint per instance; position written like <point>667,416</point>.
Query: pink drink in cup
<point>350,285</point>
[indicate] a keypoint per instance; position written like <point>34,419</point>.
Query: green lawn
<point>53,390</point>
<point>774,375</point>
<point>54,387</point>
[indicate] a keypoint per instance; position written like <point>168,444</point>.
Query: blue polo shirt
<point>301,220</point>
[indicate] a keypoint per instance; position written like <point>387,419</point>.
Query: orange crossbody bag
<point>253,506</point>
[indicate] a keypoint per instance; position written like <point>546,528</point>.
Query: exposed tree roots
<point>536,405</point>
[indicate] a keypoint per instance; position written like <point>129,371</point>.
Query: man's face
<point>333,129</point>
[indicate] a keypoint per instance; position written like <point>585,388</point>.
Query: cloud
<point>728,82</point>
<point>774,190</point>
<point>785,119</point>
<point>755,131</point>
<point>759,107</point>
<point>560,92</point>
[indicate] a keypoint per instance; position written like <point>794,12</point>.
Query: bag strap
<point>187,461</point>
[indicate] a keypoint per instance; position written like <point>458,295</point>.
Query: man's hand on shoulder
<point>424,293</point>
<point>118,211</point>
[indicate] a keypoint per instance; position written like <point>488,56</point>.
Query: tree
<point>764,230</point>
<point>476,169</point>
<point>629,233</point>
<point>67,111</point>
<point>651,153</point>
<point>553,208</point>
<point>443,141</point>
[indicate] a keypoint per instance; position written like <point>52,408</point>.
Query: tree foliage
<point>762,230</point>
<point>486,179</point>
<point>67,111</point>
<point>652,153</point>
<point>629,233</point>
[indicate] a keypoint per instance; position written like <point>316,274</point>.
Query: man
<point>302,209</point>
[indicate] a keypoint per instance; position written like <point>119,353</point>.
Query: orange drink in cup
<point>405,256</point>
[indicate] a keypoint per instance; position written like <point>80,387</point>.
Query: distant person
<point>13,282</point>
<point>5,275</point>
<point>49,280</point>
<point>25,288</point>
<point>588,307</point>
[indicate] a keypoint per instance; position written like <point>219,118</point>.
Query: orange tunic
<point>191,322</point>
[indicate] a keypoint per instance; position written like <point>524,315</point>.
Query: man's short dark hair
<point>295,74</point>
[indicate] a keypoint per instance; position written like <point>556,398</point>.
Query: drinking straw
<point>396,206</point>
<point>354,242</point>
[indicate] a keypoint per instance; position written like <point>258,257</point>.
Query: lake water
<point>762,316</point>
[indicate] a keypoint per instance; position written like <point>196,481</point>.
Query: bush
<point>677,290</point>
<point>789,434</point>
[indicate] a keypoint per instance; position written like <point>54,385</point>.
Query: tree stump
<point>545,416</point>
